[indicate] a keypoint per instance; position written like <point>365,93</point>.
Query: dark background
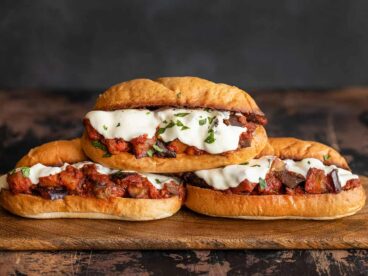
<point>254,44</point>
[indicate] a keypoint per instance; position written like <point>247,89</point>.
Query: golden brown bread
<point>58,152</point>
<point>308,206</point>
<point>190,92</point>
<point>54,153</point>
<point>292,148</point>
<point>311,206</point>
<point>92,208</point>
<point>182,162</point>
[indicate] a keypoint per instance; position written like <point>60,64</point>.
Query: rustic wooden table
<point>338,118</point>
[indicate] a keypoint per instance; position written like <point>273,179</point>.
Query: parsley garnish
<point>210,120</point>
<point>104,127</point>
<point>309,162</point>
<point>25,171</point>
<point>165,122</point>
<point>256,165</point>
<point>180,124</point>
<point>148,113</point>
<point>207,109</point>
<point>262,183</point>
<point>157,181</point>
<point>157,148</point>
<point>118,125</point>
<point>150,152</point>
<point>246,163</point>
<point>106,154</point>
<point>181,114</point>
<point>326,157</point>
<point>178,95</point>
<point>202,121</point>
<point>211,137</point>
<point>162,129</point>
<point>97,144</point>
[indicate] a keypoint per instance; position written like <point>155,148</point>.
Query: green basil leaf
<point>97,144</point>
<point>211,137</point>
<point>181,114</point>
<point>26,171</point>
<point>179,123</point>
<point>157,148</point>
<point>184,128</point>
<point>202,121</point>
<point>262,183</point>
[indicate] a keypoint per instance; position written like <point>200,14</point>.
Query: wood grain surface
<point>185,230</point>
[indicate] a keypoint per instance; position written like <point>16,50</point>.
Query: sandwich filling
<point>166,132</point>
<point>269,175</point>
<point>89,179</point>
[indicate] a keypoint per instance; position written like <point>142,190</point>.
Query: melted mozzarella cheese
<point>126,124</point>
<point>39,170</point>
<point>231,176</point>
<point>191,126</point>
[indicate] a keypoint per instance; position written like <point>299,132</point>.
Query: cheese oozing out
<point>256,169</point>
<point>195,127</point>
<point>39,170</point>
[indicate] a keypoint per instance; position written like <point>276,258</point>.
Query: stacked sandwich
<point>151,146</point>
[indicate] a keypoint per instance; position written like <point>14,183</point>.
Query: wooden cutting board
<point>185,230</point>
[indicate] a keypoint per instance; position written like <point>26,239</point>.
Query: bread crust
<point>296,149</point>
<point>316,206</point>
<point>182,162</point>
<point>189,92</point>
<point>92,208</point>
<point>58,152</point>
<point>54,153</point>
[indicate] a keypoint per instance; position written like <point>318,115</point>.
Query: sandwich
<point>56,180</point>
<point>173,125</point>
<point>289,179</point>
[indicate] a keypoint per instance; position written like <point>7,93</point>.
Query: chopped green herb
<point>161,130</point>
<point>12,171</point>
<point>308,162</point>
<point>202,121</point>
<point>210,120</point>
<point>326,157</point>
<point>148,113</point>
<point>178,95</point>
<point>211,137</point>
<point>104,127</point>
<point>184,128</point>
<point>106,154</point>
<point>157,181</point>
<point>179,123</point>
<point>118,125</point>
<point>170,125</point>
<point>157,148</point>
<point>150,152</point>
<point>97,144</point>
<point>256,165</point>
<point>246,163</point>
<point>165,122</point>
<point>181,114</point>
<point>262,183</point>
<point>207,109</point>
<point>25,171</point>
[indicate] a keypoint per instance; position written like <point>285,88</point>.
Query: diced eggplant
<point>290,179</point>
<point>164,151</point>
<point>335,180</point>
<point>191,179</point>
<point>277,165</point>
<point>52,193</point>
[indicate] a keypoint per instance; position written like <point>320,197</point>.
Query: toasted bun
<point>59,152</point>
<point>177,91</point>
<point>268,207</point>
<point>54,153</point>
<point>92,208</point>
<point>292,148</point>
<point>309,206</point>
<point>182,162</point>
